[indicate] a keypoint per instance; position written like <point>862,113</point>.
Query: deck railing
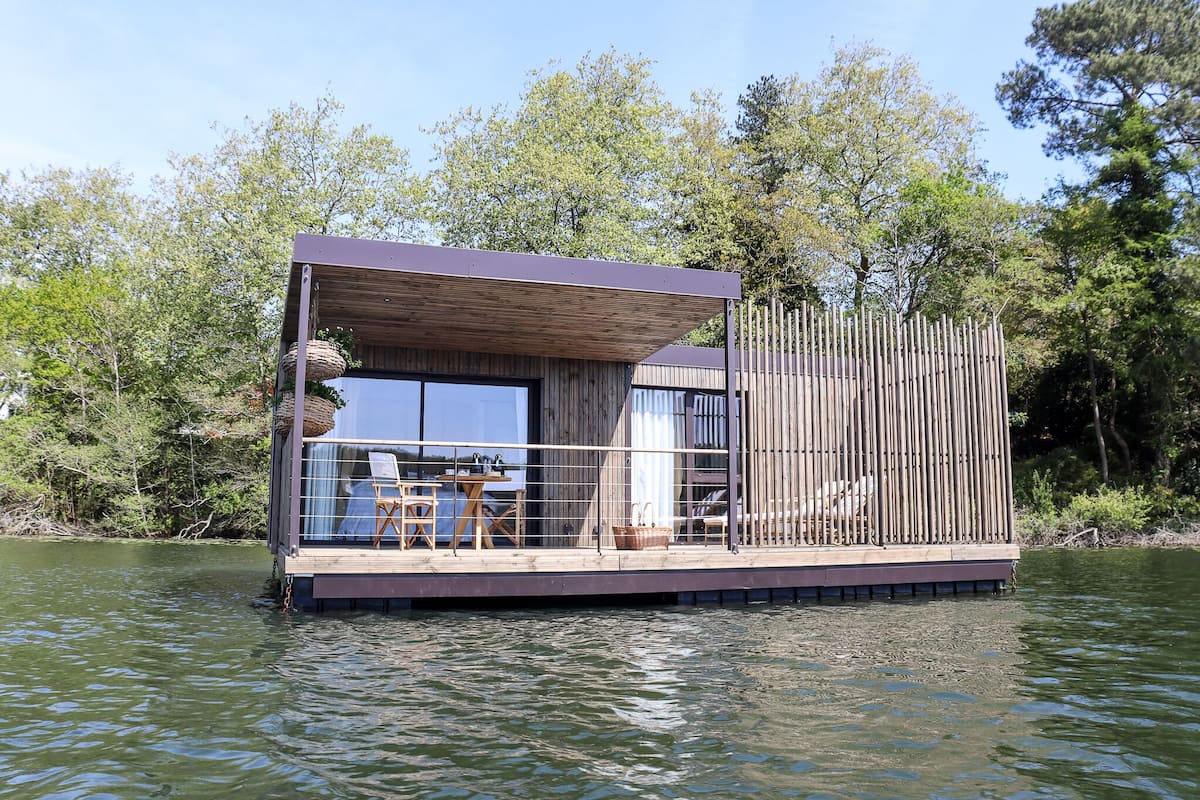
<point>549,495</point>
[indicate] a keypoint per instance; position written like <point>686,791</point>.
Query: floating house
<point>525,428</point>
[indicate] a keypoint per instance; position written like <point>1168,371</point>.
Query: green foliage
<point>1041,493</point>
<point>1121,510</point>
<point>580,168</point>
<point>312,389</point>
<point>138,333</point>
<point>1095,55</point>
<point>1115,83</point>
<point>1116,514</point>
<point>325,392</point>
<point>1049,481</point>
<point>1165,504</point>
<point>343,339</point>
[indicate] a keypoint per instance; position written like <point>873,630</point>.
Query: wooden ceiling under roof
<point>477,301</point>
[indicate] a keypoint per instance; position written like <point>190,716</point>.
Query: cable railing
<point>461,494</point>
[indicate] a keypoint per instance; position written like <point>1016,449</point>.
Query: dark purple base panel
<point>690,586</point>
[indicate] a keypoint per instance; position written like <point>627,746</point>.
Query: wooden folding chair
<point>399,506</point>
<point>509,523</point>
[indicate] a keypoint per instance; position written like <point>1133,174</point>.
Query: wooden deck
<point>688,572</point>
<point>419,561</point>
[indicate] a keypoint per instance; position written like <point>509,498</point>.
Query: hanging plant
<point>344,340</point>
<point>322,361</point>
<point>312,389</point>
<point>320,402</point>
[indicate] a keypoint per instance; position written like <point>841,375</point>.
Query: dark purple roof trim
<point>430,260</point>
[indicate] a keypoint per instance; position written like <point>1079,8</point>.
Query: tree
<point>762,114</point>
<point>768,219</point>
<point>74,323</point>
<point>1116,83</point>
<point>582,167</point>
<point>227,225</point>
<point>139,333</point>
<point>1097,56</point>
<point>703,197</point>
<point>855,138</point>
<point>1095,292</point>
<point>952,246</point>
<point>235,211</point>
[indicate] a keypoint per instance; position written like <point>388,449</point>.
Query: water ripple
<point>159,678</point>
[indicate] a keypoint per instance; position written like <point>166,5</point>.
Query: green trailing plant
<point>343,339</point>
<point>312,389</point>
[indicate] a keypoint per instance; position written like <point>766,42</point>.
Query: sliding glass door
<point>339,497</point>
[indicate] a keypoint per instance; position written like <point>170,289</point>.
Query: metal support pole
<point>277,445</point>
<point>731,439</point>
<point>599,524</point>
<point>298,418</point>
<point>454,506</point>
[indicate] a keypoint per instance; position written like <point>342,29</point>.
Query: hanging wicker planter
<point>318,415</point>
<point>323,361</point>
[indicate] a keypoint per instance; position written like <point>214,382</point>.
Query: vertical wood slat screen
<point>870,430</point>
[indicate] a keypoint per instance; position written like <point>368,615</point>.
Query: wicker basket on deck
<point>642,534</point>
<point>641,537</point>
<point>323,362</point>
<point>318,415</point>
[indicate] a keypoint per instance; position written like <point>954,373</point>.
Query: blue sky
<point>128,83</point>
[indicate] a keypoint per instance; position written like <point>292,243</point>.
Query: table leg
<point>467,518</point>
<point>481,527</point>
<point>459,530</point>
<point>473,515</point>
<point>473,511</point>
<point>476,539</point>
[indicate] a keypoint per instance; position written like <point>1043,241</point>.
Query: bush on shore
<point>1053,512</point>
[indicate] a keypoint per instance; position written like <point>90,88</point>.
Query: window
<point>400,409</point>
<point>420,410</point>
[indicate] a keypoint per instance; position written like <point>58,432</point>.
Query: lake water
<point>147,670</point>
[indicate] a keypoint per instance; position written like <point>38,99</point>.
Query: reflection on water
<point>147,670</point>
<point>1112,656</point>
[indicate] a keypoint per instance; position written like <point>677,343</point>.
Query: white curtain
<point>321,467</point>
<point>320,486</point>
<point>657,422</point>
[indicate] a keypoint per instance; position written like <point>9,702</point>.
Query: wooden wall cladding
<point>666,376</point>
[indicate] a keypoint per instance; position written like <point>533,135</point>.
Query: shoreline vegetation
<point>1033,531</point>
<point>1033,535</point>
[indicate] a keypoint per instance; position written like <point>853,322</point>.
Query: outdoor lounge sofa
<point>836,503</point>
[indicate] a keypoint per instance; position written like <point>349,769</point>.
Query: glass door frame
<point>533,426</point>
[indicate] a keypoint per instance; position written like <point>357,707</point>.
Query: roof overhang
<point>442,298</point>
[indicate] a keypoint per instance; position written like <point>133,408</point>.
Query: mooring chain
<point>287,595</point>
